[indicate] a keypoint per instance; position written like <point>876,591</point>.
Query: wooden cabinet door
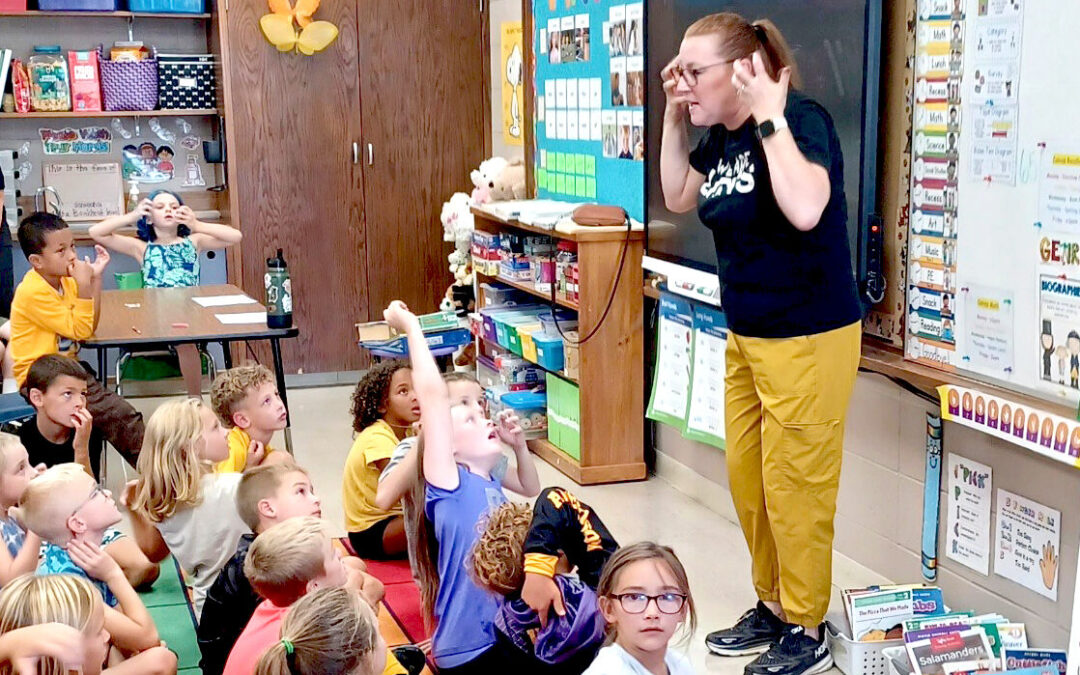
<point>424,115</point>
<point>291,123</point>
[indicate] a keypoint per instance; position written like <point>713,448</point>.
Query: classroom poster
<point>705,417</point>
<point>1058,351</point>
<point>1027,541</point>
<point>936,130</point>
<point>967,540</point>
<point>70,141</point>
<point>1046,434</point>
<point>89,191</point>
<point>995,89</point>
<point>590,77</point>
<point>989,331</point>
<point>674,362</point>
<point>1059,191</point>
<point>513,70</point>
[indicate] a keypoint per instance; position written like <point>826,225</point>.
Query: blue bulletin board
<point>590,102</point>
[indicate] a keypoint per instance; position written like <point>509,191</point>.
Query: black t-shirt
<point>776,280</point>
<point>44,451</point>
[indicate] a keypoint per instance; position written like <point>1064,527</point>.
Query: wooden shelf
<point>553,372</point>
<point>109,113</point>
<point>529,288</point>
<point>104,15</point>
<point>581,234</point>
<point>586,475</point>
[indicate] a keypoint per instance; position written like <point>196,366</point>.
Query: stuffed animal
<point>510,183</point>
<point>483,179</point>
<point>457,220</point>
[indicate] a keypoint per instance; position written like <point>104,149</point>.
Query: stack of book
<point>931,640</point>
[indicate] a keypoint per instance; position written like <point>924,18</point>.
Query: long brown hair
<point>426,553</point>
<point>739,39</point>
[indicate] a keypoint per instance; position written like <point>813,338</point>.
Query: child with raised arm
<point>459,447</point>
<point>167,244</point>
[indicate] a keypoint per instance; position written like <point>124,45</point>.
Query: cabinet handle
<point>355,153</point>
<point>370,154</point>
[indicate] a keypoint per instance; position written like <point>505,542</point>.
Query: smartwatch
<point>770,127</point>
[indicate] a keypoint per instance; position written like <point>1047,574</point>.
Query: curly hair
<point>373,393</point>
<point>498,558</point>
<point>232,386</point>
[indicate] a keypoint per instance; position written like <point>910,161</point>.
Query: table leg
<point>226,354</point>
<point>103,378</point>
<point>279,370</point>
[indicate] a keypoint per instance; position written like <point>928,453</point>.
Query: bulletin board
<point>994,245</point>
<point>590,102</point>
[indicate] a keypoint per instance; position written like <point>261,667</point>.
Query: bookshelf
<point>611,372</point>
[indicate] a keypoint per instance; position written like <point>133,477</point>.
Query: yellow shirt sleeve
<point>360,479</point>
<point>238,451</point>
<point>40,316</point>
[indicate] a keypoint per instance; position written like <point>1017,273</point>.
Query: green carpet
<point>168,605</point>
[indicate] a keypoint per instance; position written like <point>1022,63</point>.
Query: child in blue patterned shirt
<point>19,554</point>
<point>71,513</point>
<point>167,246</point>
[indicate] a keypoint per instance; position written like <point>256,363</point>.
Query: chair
<point>14,408</point>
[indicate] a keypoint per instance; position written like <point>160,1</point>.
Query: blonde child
<point>167,244</point>
<point>331,631</point>
<point>19,554</point>
<point>459,448</point>
<point>644,596</point>
<point>384,408</point>
<point>74,604</point>
<point>247,400</point>
<point>71,513</point>
<point>285,563</point>
<point>178,503</point>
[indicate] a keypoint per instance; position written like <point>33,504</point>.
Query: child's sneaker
<point>795,654</point>
<point>754,633</point>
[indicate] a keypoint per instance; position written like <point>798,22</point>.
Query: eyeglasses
<point>636,603</point>
<point>98,490</point>
<point>691,75</point>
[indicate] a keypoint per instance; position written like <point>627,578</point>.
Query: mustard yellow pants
<point>785,403</point>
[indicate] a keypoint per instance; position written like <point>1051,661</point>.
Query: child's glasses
<point>636,603</point>
<point>98,490</point>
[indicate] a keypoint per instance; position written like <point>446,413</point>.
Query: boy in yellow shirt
<point>59,299</point>
<point>246,399</point>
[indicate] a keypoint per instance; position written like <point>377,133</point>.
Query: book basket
<point>861,658</point>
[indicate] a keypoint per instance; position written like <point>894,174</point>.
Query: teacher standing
<point>768,180</point>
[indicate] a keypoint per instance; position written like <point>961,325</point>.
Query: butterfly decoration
<point>280,31</point>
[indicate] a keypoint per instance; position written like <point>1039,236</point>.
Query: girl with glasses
<point>644,597</point>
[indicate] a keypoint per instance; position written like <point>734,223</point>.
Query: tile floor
<point>711,547</point>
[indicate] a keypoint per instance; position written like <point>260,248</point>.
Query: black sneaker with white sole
<point>754,633</point>
<point>795,654</point>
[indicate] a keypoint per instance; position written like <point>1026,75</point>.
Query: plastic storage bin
<point>861,658</point>
<point>531,407</point>
<point>11,6</point>
<point>550,352</point>
<point>500,294</point>
<point>168,6</point>
<point>79,5</point>
<point>564,415</point>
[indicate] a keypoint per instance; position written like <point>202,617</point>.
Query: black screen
<point>831,40</point>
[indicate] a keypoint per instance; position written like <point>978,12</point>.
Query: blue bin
<point>550,352</point>
<point>168,6</point>
<point>79,5</point>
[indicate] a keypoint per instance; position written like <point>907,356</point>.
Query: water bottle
<point>278,293</point>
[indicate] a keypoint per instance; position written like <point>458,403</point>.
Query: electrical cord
<point>611,296</point>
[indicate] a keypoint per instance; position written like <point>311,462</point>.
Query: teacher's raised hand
<point>764,96</point>
<point>676,102</point>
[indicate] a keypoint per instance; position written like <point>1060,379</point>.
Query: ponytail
<point>739,39</point>
<point>426,554</point>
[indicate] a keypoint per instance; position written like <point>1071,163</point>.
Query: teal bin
<point>550,352</point>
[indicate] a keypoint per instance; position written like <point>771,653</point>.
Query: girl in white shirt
<point>179,504</point>
<point>645,596</point>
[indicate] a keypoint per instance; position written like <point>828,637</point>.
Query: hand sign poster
<point>1028,539</point>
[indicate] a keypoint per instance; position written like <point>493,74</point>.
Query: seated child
<point>19,554</point>
<point>178,503</point>
<point>519,542</point>
<point>167,245</point>
<point>283,564</point>
<point>71,513</point>
<point>21,550</point>
<point>69,604</point>
<point>267,495</point>
<point>331,631</point>
<point>401,475</point>
<point>459,448</point>
<point>384,409</point>
<point>59,299</point>
<point>246,399</point>
<point>645,596</point>
<point>60,429</point>
<point>7,363</point>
